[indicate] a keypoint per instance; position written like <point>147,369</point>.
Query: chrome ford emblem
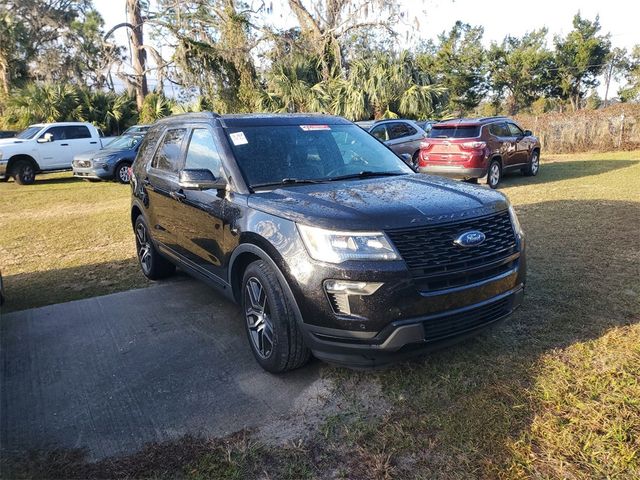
<point>472,238</point>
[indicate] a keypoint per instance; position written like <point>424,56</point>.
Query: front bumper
<point>453,171</point>
<point>3,169</point>
<point>93,172</point>
<point>410,337</point>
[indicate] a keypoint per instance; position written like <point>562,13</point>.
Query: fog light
<point>338,292</point>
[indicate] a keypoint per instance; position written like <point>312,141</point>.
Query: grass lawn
<point>554,392</point>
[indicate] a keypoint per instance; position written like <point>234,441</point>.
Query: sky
<point>617,17</point>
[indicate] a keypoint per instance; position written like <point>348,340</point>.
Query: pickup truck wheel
<point>533,168</point>
<point>154,266</point>
<point>274,336</point>
<point>494,174</point>
<point>122,172</point>
<point>23,172</point>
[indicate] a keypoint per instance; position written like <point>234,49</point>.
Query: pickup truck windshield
<point>294,154</point>
<point>28,133</point>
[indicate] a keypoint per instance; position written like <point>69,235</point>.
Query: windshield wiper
<point>367,174</point>
<point>287,181</point>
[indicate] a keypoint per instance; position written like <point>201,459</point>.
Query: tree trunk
<point>138,53</point>
<point>608,81</point>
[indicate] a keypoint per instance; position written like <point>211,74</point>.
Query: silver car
<point>401,136</point>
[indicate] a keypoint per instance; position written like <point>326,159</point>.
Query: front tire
<point>122,172</point>
<point>153,265</point>
<point>494,174</point>
<point>23,172</point>
<point>272,329</point>
<point>533,168</point>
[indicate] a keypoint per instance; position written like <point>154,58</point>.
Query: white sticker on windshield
<point>238,138</point>
<point>311,128</point>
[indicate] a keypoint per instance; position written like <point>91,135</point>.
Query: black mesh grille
<point>437,263</point>
<point>457,324</point>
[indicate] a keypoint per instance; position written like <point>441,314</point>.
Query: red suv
<point>471,148</point>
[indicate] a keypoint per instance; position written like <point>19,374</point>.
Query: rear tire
<point>533,168</point>
<point>23,172</point>
<point>494,174</point>
<point>122,172</point>
<point>153,265</point>
<point>272,328</point>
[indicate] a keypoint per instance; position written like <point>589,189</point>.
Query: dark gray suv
<point>331,244</point>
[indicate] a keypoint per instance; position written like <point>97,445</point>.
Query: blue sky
<point>618,17</point>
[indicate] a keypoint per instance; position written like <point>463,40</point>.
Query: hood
<point>11,141</point>
<point>380,203</point>
<point>102,152</point>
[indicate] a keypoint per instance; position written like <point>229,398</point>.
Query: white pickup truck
<point>44,148</point>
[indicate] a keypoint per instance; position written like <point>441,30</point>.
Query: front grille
<point>459,323</point>
<point>436,263</point>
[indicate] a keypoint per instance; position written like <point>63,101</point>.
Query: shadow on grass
<point>457,413</point>
<point>555,171</point>
<point>36,289</point>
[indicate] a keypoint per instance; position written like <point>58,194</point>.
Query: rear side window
<point>499,130</point>
<point>400,129</point>
<point>76,132</point>
<point>463,131</point>
<point>202,152</point>
<point>148,146</point>
<point>168,155</point>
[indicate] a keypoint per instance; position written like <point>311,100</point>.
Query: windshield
<point>462,131</point>
<point>271,154</point>
<point>28,133</point>
<point>125,142</point>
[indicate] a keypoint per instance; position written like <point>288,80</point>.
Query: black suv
<point>332,245</point>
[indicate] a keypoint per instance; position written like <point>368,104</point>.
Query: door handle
<point>177,195</point>
<point>64,144</point>
<point>93,143</point>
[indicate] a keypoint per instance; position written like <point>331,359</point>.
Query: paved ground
<point>115,372</point>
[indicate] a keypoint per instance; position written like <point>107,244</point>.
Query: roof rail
<point>189,116</point>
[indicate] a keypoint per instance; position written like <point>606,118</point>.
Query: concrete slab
<point>112,373</point>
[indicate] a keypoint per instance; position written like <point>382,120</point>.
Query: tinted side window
<point>148,146</point>
<point>168,155</point>
<point>400,129</point>
<point>59,133</point>
<point>380,133</point>
<point>202,152</point>
<point>75,132</point>
<point>499,130</point>
<point>515,130</point>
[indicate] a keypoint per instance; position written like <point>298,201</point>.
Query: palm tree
<point>295,85</point>
<point>386,86</point>
<point>42,103</point>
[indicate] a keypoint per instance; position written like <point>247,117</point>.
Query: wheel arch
<point>249,252</point>
<point>135,213</point>
<point>22,156</point>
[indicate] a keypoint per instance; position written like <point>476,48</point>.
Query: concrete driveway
<point>112,373</point>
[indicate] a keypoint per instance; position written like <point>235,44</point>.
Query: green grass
<point>553,392</point>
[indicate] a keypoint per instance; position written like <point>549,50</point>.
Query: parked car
<point>7,133</point>
<point>331,244</point>
<point>136,129</point>
<point>471,148</point>
<point>402,136</point>
<point>45,148</point>
<point>112,162</point>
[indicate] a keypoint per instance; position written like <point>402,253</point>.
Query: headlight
<point>337,247</point>
<point>102,160</point>
<point>515,222</point>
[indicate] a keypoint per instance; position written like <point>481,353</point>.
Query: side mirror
<point>528,133</point>
<point>46,138</point>
<point>200,179</point>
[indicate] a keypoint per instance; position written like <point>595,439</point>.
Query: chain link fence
<point>613,128</point>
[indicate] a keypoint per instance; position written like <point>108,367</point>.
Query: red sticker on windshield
<point>311,128</point>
